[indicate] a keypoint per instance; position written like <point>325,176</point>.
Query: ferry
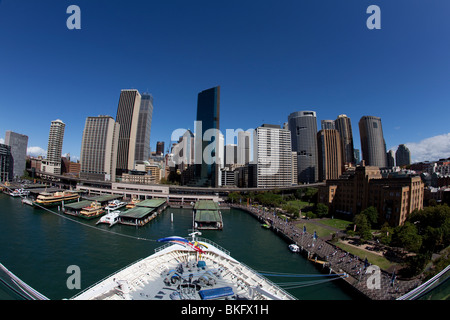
<point>93,211</point>
<point>47,199</point>
<point>115,205</point>
<point>133,203</point>
<point>111,218</point>
<point>186,270</point>
<point>27,201</point>
<point>19,192</point>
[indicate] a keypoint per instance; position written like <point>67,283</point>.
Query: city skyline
<point>269,59</point>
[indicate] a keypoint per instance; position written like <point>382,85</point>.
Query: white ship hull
<point>176,272</point>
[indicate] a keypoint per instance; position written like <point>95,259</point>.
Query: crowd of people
<point>333,257</point>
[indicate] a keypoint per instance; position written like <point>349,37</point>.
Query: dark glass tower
<point>372,141</point>
<point>144,128</point>
<point>344,126</point>
<point>403,156</point>
<point>208,117</point>
<point>303,127</point>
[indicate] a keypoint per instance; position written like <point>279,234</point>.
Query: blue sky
<point>270,58</point>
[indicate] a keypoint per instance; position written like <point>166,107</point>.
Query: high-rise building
<point>6,163</point>
<point>207,138</point>
<point>144,128</point>
<point>230,154</point>
<point>160,148</point>
<point>303,128</point>
<point>327,124</point>
<point>243,147</point>
<point>127,117</point>
<point>272,156</point>
<point>330,154</point>
<point>372,141</point>
<point>390,159</point>
<point>99,148</point>
<point>18,143</point>
<point>403,156</point>
<point>344,127</point>
<point>54,150</point>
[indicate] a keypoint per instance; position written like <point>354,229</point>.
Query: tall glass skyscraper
<point>303,128</point>
<point>344,126</point>
<point>208,117</point>
<point>18,143</point>
<point>127,117</point>
<point>144,128</point>
<point>99,148</point>
<point>55,142</point>
<point>372,141</point>
<point>403,156</point>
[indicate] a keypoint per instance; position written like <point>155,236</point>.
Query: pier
<point>143,212</point>
<point>333,259</point>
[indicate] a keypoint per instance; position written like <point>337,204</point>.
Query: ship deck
<point>178,273</point>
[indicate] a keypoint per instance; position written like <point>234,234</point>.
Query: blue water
<point>39,246</point>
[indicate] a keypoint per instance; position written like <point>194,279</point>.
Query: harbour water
<point>39,246</point>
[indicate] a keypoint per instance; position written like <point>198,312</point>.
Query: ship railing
<point>198,239</point>
<point>93,285</point>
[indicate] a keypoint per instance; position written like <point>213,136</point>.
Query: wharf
<point>207,215</point>
<point>143,212</point>
<point>335,260</point>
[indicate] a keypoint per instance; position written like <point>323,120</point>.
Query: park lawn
<point>336,223</point>
<point>373,258</point>
<point>298,203</point>
<point>311,227</point>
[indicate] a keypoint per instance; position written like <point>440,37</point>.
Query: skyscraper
<point>403,156</point>
<point>18,143</point>
<point>207,137</point>
<point>330,154</point>
<point>144,128</point>
<point>344,127</point>
<point>390,159</point>
<point>272,156</point>
<point>303,128</point>
<point>373,145</point>
<point>243,147</point>
<point>54,150</point>
<point>6,163</point>
<point>127,117</point>
<point>160,148</point>
<point>327,124</point>
<point>99,148</point>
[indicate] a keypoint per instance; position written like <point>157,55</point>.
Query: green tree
<point>309,194</point>
<point>372,215</point>
<point>234,197</point>
<point>386,234</point>
<point>407,236</point>
<point>433,224</point>
<point>362,227</point>
<point>322,210</point>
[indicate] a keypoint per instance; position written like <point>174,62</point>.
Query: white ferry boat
<point>115,205</point>
<point>110,218</point>
<point>19,192</point>
<point>186,270</point>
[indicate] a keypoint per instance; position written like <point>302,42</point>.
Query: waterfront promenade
<point>336,260</point>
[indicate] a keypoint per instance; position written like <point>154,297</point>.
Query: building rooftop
<point>151,203</point>
<point>206,205</point>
